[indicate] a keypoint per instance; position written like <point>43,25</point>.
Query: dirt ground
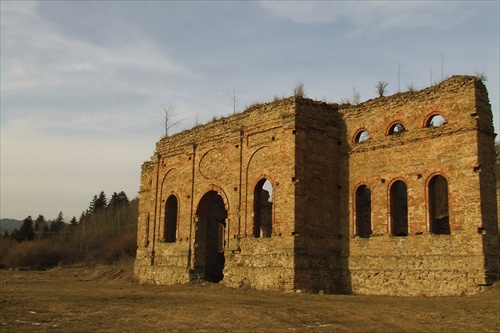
<point>107,299</point>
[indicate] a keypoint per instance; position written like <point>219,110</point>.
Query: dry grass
<point>106,299</point>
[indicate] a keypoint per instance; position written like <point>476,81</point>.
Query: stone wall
<point>316,156</point>
<point>460,151</point>
<point>229,156</point>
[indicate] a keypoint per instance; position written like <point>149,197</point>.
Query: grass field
<point>107,299</point>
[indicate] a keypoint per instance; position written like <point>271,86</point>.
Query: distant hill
<point>9,224</point>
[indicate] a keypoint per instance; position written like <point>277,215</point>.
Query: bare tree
<point>234,99</point>
<point>442,67</point>
<point>168,118</point>
<point>197,119</point>
<point>430,72</point>
<point>355,98</point>
<point>381,88</point>
<point>398,73</point>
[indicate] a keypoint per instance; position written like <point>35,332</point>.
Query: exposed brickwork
<point>309,152</point>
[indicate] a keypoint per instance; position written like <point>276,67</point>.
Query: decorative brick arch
<point>433,114</point>
<point>248,204</point>
<point>163,196</point>
<point>358,136</point>
<point>390,128</point>
<point>216,188</point>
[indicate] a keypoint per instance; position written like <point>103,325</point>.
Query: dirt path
<point>108,300</point>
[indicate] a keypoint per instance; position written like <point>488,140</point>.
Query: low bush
<point>39,254</point>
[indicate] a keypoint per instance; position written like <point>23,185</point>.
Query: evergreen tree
<point>73,222</point>
<point>27,231</point>
<point>40,223</point>
<point>98,202</point>
<point>118,199</point>
<point>6,234</point>
<point>58,223</point>
<point>83,217</point>
<point>15,235</point>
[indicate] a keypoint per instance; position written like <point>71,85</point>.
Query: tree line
<point>105,232</point>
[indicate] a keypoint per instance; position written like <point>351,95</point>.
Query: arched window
<point>438,206</point>
<point>399,208</point>
<point>435,120</point>
<point>263,209</point>
<point>363,212</point>
<point>362,136</point>
<point>397,128</point>
<point>170,231</point>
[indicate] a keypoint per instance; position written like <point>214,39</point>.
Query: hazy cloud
<point>380,15</point>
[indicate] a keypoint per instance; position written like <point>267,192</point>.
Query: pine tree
<point>40,223</point>
<point>27,231</point>
<point>73,222</point>
<point>58,223</point>
<point>118,199</point>
<point>15,235</point>
<point>98,202</point>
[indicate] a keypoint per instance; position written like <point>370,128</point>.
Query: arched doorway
<point>209,237</point>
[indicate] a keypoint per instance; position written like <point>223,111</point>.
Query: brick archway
<point>211,216</point>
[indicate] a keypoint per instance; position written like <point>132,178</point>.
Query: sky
<point>84,83</point>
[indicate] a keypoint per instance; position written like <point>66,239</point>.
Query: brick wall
<point>310,154</point>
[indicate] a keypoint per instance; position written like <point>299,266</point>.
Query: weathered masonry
<point>394,196</point>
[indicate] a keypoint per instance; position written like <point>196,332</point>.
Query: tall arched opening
<point>399,208</point>
<point>363,212</point>
<point>171,208</point>
<point>438,206</point>
<point>209,237</point>
<point>263,209</point>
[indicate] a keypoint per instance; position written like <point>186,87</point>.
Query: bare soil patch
<point>107,299</point>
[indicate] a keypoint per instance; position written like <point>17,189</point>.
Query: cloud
<point>46,57</point>
<point>380,15</point>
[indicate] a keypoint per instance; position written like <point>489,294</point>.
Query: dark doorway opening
<point>363,212</point>
<point>399,209</point>
<point>209,237</point>
<point>171,219</point>
<point>438,206</point>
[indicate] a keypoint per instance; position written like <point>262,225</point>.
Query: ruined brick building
<point>393,196</point>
